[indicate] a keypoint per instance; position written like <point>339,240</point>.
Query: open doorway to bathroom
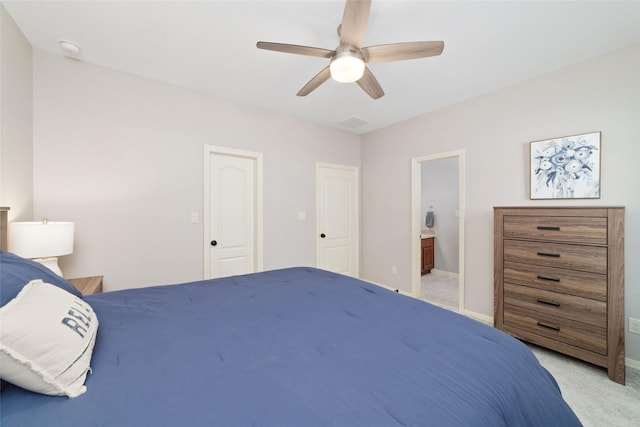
<point>438,222</point>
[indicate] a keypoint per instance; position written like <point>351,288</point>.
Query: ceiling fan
<point>348,61</point>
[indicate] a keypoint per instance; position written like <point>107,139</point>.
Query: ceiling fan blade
<point>370,84</point>
<point>298,50</point>
<point>354,22</point>
<point>316,81</point>
<point>401,51</point>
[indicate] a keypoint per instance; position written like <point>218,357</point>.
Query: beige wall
<point>16,130</point>
<point>495,131</point>
<point>122,157</point>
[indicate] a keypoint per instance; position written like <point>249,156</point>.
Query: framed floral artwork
<point>566,168</point>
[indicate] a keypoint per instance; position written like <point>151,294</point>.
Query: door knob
<point>323,235</point>
<point>213,243</point>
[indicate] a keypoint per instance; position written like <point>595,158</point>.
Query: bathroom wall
<point>439,185</point>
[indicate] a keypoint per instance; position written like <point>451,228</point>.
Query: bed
<point>291,347</point>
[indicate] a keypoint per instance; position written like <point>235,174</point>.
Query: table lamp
<point>42,241</point>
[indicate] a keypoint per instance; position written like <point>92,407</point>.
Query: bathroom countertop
<point>427,233</point>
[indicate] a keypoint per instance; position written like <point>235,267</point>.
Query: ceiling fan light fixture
<point>347,67</point>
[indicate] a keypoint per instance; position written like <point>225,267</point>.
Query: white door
<point>337,213</point>
<point>232,212</point>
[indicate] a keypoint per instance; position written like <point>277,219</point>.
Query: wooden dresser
<point>559,280</point>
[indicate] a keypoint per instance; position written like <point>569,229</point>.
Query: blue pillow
<point>15,272</point>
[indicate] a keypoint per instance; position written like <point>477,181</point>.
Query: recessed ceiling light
<point>69,46</point>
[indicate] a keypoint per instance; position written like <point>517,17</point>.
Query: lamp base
<point>51,263</point>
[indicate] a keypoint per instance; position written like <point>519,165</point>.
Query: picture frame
<point>566,168</point>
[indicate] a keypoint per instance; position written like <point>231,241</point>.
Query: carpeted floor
<point>596,400</point>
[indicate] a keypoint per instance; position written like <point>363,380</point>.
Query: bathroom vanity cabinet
<point>427,246</point>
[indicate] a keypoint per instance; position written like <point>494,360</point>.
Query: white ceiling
<point>210,46</point>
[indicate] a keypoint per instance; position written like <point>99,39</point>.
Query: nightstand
<point>88,285</point>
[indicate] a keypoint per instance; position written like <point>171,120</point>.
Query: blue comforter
<point>295,347</point>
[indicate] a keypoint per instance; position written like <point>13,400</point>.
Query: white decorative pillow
<point>46,340</point>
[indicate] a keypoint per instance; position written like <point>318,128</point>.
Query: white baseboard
<point>389,288</point>
<point>437,272</point>
<point>483,318</point>
<point>631,363</point>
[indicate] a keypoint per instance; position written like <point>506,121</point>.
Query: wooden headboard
<point>3,228</point>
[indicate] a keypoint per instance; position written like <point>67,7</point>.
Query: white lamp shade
<point>346,67</point>
<point>41,239</point>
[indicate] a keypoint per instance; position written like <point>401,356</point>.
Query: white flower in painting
<point>574,166</point>
<point>546,165</point>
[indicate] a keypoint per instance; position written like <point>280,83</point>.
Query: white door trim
<point>356,171</point>
<point>258,206</point>
<point>416,192</point>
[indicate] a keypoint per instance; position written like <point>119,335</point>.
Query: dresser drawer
<point>578,334</point>
<point>560,229</point>
<point>566,306</point>
<point>580,283</point>
<point>575,257</point>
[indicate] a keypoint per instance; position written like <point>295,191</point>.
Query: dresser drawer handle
<point>546,325</point>
<point>551,279</point>
<point>548,255</point>
<point>546,227</point>
<point>544,301</point>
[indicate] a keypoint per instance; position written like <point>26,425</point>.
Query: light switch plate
<point>195,217</point>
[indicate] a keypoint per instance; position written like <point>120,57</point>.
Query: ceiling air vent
<point>353,122</point>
